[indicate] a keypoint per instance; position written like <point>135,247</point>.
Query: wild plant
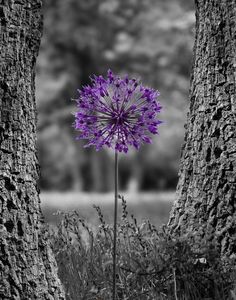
<point>151,263</point>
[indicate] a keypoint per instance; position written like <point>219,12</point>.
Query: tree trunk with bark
<point>206,191</point>
<point>27,265</point>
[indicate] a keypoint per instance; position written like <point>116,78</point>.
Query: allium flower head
<point>117,112</point>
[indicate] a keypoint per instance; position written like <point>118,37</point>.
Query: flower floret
<point>117,112</point>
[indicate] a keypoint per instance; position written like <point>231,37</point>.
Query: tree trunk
<point>27,266</point>
<point>205,196</point>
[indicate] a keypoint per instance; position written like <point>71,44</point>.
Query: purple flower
<point>117,112</point>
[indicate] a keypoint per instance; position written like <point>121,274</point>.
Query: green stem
<point>115,226</point>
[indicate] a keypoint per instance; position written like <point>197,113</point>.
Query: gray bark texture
<point>205,198</point>
<point>27,265</point>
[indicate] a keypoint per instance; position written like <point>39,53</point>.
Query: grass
<point>152,206</point>
<point>151,264</point>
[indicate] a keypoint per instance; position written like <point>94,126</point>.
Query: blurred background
<point>148,39</point>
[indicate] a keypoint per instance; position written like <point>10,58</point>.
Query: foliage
<point>152,264</point>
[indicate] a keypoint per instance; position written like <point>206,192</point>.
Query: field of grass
<point>152,206</point>
<point>151,263</point>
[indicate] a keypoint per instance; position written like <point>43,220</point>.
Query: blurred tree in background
<point>149,39</point>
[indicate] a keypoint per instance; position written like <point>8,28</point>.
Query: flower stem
<point>115,227</point>
<point>175,285</point>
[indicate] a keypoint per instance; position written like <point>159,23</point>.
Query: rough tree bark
<point>27,266</point>
<point>206,194</point>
